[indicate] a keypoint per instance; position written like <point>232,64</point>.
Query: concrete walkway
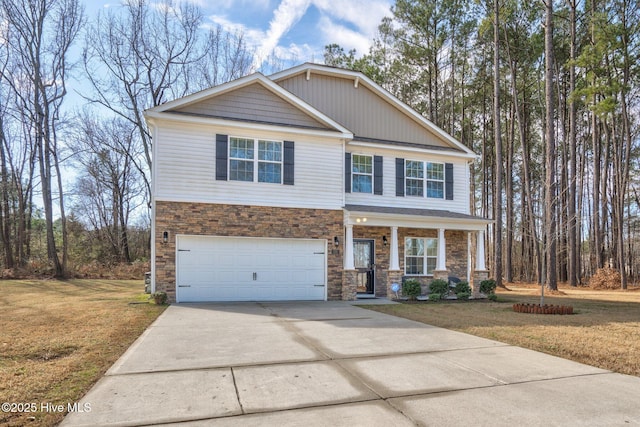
<point>334,364</point>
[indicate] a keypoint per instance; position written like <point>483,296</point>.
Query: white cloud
<point>296,52</point>
<point>350,23</point>
<point>364,14</point>
<point>333,32</point>
<point>285,16</point>
<point>252,36</point>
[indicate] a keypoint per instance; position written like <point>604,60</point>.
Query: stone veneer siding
<point>245,221</point>
<point>456,242</point>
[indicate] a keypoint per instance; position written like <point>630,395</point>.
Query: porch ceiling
<point>384,216</point>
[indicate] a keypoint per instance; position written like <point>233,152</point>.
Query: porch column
<point>348,249</point>
<point>394,260</point>
<point>442,251</point>
<point>480,264</point>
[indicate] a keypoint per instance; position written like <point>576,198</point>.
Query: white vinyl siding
<point>461,186</point>
<point>185,170</point>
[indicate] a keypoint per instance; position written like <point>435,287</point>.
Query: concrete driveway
<point>335,364</point>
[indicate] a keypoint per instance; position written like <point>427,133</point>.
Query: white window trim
<point>425,257</point>
<point>427,180</point>
<point>409,177</point>
<point>353,174</point>
<point>255,161</point>
<point>424,179</point>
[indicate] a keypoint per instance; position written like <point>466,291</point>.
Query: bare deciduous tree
<point>109,188</point>
<point>39,34</point>
<point>143,54</point>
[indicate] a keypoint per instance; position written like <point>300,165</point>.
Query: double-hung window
<point>255,160</point>
<point>424,176</point>
<point>420,256</point>
<point>435,180</point>
<point>414,178</point>
<point>362,173</point>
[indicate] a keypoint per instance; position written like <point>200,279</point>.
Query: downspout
<point>152,237</point>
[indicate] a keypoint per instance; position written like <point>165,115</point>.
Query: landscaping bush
<point>439,286</point>
<point>435,297</point>
<point>464,295</point>
<point>462,288</point>
<point>488,286</point>
<point>493,297</point>
<point>411,288</point>
<point>159,298</point>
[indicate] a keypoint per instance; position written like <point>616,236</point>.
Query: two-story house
<point>314,183</point>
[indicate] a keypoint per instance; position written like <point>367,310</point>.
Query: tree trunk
<point>5,211</point>
<point>497,132</point>
<point>550,164</point>
<point>572,225</point>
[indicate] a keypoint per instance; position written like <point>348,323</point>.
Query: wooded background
<point>547,92</point>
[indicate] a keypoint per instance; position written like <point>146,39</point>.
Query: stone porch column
<point>394,276</point>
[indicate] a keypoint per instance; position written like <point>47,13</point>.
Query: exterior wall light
<point>385,241</point>
<point>336,241</point>
<point>165,237</point>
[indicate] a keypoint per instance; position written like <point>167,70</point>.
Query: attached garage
<point>214,268</point>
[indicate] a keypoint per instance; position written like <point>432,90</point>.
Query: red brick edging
<point>544,309</point>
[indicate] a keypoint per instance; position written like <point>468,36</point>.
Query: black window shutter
<point>399,177</point>
<point>448,180</point>
<point>347,172</point>
<point>289,156</point>
<point>221,157</point>
<point>377,175</point>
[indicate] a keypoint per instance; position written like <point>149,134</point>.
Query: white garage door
<point>250,269</point>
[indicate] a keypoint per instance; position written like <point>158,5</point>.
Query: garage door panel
<point>250,269</point>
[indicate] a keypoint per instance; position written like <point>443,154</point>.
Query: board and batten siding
<point>360,110</point>
<point>461,186</point>
<point>254,103</point>
<point>185,170</point>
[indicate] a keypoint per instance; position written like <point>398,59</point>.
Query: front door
<point>365,265</point>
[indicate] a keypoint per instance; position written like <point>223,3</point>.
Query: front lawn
<point>604,333</point>
<point>59,337</point>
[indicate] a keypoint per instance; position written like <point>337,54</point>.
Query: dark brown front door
<point>364,260</point>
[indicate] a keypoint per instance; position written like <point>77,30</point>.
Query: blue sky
<point>296,30</point>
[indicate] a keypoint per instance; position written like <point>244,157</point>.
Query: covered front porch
<point>383,245</point>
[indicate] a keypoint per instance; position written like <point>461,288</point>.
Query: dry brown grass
<point>59,337</point>
<point>604,333</point>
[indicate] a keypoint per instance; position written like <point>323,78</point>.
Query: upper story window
<point>362,173</point>
<point>255,160</point>
<point>424,178</point>
<point>435,180</point>
<point>420,256</point>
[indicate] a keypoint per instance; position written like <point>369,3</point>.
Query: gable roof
<point>187,104</point>
<point>309,69</point>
